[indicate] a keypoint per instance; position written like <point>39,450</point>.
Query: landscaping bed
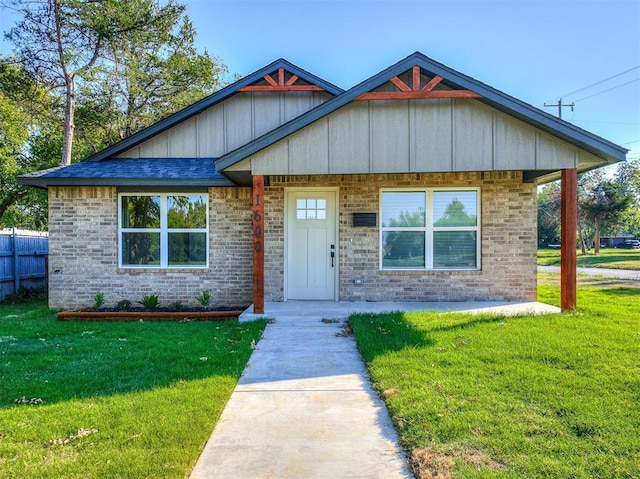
<point>152,311</point>
<point>158,314</point>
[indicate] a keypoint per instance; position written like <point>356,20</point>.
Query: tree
<point>18,128</point>
<point>549,214</point>
<point>63,42</point>
<point>405,244</point>
<point>103,69</point>
<point>456,215</point>
<point>628,177</point>
<point>153,74</point>
<point>605,200</point>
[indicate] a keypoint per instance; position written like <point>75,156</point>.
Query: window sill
<point>177,269</point>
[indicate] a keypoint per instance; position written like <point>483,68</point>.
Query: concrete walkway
<point>628,274</point>
<point>304,406</point>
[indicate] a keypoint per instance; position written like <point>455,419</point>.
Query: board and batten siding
<point>228,125</point>
<point>402,136</point>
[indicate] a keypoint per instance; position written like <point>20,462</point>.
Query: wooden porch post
<point>258,244</point>
<point>568,225</point>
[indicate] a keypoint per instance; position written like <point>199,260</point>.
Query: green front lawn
<point>488,396</point>
<point>608,258</point>
<point>133,400</point>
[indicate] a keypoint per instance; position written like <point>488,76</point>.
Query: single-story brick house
<point>418,184</point>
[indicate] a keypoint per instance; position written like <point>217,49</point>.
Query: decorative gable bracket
<point>417,91</point>
<point>280,84</point>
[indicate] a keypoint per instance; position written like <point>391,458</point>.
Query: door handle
<point>333,254</point>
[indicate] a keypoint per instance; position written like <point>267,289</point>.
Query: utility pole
<point>560,105</point>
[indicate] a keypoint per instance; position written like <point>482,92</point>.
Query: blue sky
<point>534,50</point>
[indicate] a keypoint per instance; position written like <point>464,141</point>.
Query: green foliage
<point>133,383</point>
<point>204,298</point>
<point>98,300</point>
<point>24,295</point>
<point>608,206</point>
<point>549,214</point>
<point>149,301</point>
<point>123,305</point>
<point>91,73</point>
<point>408,219</point>
<point>544,396</point>
<point>187,212</point>
<point>605,201</point>
<point>405,248</point>
<point>456,215</point>
<point>175,306</point>
<point>162,73</point>
<point>18,127</point>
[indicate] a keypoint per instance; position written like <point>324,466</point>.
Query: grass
<point>608,258</point>
<point>133,400</point>
<point>494,397</point>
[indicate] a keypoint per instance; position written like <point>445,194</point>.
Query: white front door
<point>311,246</point>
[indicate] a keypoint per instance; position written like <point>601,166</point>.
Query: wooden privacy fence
<point>23,260</point>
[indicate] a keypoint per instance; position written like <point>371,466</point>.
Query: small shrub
<point>24,295</point>
<point>205,298</point>
<point>150,301</point>
<point>124,305</point>
<point>175,306</point>
<point>98,300</point>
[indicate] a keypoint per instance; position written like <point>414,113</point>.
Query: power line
<point>605,91</point>
<point>594,84</point>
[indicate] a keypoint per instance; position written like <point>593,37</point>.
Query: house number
<point>258,229</point>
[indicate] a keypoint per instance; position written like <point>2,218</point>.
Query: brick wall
<point>83,253</point>
<point>508,247</point>
<point>84,246</point>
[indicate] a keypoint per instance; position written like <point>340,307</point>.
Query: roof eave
<point>44,182</point>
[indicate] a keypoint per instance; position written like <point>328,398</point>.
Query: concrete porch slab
<point>301,310</point>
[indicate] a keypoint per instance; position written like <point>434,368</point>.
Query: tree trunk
<point>598,224</point>
<point>69,125</point>
<point>583,246</point>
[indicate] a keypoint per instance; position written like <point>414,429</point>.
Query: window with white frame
<point>163,230</point>
<point>429,228</point>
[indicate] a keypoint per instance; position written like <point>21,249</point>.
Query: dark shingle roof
<point>132,172</point>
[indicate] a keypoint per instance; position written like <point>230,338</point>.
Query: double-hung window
<point>163,230</point>
<point>430,229</point>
